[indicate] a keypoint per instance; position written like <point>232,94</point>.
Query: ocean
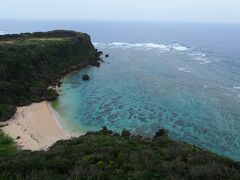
<point>183,77</point>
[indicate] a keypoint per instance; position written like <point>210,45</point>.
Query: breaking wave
<point>199,57</point>
<point>236,87</point>
<point>184,70</point>
<point>162,47</point>
<point>202,60</point>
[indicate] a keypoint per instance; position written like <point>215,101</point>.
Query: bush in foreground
<point>107,155</point>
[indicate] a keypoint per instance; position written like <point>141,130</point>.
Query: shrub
<point>6,111</point>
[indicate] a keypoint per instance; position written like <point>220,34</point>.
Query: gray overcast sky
<point>153,10</point>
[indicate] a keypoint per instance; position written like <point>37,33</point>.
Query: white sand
<point>37,127</point>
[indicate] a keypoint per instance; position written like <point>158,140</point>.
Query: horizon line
<point>119,20</point>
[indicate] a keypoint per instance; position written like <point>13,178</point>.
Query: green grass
<point>29,41</point>
<point>38,41</point>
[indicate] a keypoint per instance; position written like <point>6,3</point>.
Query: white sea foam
<point>119,44</point>
<point>202,60</point>
<point>184,70</point>
<point>198,54</point>
<point>205,62</point>
<point>159,46</point>
<point>181,69</point>
<point>179,47</point>
<point>236,87</point>
<point>139,45</point>
<point>201,57</point>
<point>162,47</point>
<point>97,43</point>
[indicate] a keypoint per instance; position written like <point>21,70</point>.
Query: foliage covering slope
<point>104,155</point>
<point>29,63</point>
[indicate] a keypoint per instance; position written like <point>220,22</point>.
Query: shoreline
<point>35,127</point>
<point>64,124</point>
<point>23,127</point>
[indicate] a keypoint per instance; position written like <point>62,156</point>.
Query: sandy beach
<point>35,127</point>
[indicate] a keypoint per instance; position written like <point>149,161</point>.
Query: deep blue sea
<point>183,77</point>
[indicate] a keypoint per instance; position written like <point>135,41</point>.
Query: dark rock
<point>95,63</point>
<point>139,138</point>
<point>85,77</point>
<point>100,53</point>
<point>161,132</point>
<point>115,135</point>
<point>125,133</point>
<point>106,131</point>
<point>107,55</point>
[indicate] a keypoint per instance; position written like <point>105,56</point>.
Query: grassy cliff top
<point>30,40</point>
<point>49,34</point>
<point>23,39</point>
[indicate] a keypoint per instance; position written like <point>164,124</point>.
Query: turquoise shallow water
<point>143,87</point>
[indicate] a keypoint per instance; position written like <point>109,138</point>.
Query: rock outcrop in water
<point>161,132</point>
<point>85,77</point>
<point>125,133</point>
<point>95,63</point>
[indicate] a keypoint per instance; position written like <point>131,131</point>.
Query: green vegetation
<point>6,111</point>
<point>29,63</point>
<point>7,146</point>
<point>104,155</point>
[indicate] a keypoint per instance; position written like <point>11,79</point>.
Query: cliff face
<point>29,63</point>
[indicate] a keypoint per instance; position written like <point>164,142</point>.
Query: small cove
<point>143,87</point>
